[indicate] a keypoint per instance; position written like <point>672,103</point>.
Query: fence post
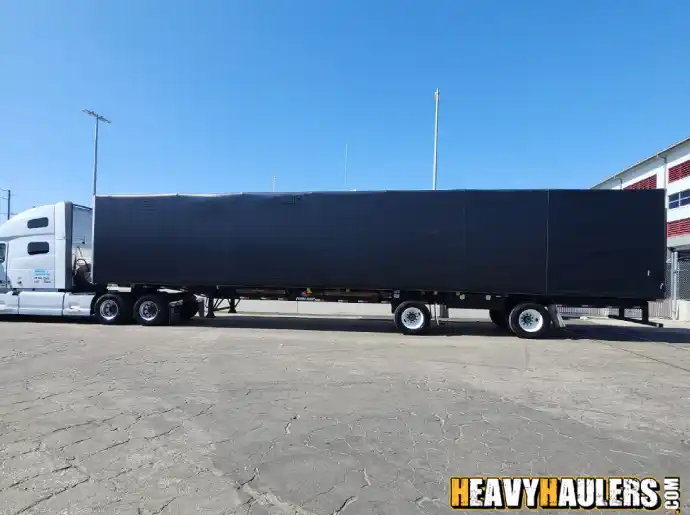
<point>674,285</point>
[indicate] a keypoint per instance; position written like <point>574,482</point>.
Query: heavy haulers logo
<point>512,493</point>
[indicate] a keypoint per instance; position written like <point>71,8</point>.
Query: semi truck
<point>157,259</point>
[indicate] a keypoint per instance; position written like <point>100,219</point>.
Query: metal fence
<point>676,287</point>
<point>683,276</point>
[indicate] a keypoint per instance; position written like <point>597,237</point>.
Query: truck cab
<point>40,250</point>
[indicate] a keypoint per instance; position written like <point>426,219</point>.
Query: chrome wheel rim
<point>148,311</point>
<point>109,310</point>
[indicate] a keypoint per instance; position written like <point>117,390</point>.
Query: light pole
<point>443,309</point>
<point>437,98</point>
<point>346,166</point>
<point>274,184</point>
<point>9,202</point>
<point>99,119</point>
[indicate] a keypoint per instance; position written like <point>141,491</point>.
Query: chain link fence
<point>683,276</point>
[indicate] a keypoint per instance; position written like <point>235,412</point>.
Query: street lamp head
<point>95,115</point>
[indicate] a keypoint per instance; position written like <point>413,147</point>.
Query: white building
<point>668,170</point>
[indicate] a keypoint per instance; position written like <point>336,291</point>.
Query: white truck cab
<point>40,250</point>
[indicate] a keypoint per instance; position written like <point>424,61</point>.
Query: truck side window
<point>37,247</point>
<point>2,252</point>
<point>37,223</point>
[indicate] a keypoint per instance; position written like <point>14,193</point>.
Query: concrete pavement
<point>256,415</point>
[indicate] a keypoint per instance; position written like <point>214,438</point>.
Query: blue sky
<point>220,95</point>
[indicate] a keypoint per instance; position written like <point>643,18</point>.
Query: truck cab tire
<point>152,310</point>
<point>530,320</point>
<point>412,317</point>
<point>499,318</point>
<point>113,309</point>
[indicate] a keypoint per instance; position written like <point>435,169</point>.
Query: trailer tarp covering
<point>598,243</point>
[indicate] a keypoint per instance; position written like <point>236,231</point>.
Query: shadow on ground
<point>617,333</point>
<point>342,324</point>
<point>574,331</point>
<point>580,330</point>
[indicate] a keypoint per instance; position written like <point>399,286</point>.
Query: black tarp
<point>598,243</point>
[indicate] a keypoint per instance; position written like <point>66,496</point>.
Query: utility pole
<point>437,98</point>
<point>443,309</point>
<point>9,203</point>
<point>99,119</point>
<point>345,166</point>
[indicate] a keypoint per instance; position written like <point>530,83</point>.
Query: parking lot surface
<point>263,415</point>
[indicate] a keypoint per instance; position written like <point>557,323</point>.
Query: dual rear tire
<point>119,308</point>
<point>113,309</point>
<point>528,320</point>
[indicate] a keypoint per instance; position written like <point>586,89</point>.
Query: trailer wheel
<point>529,321</point>
<point>499,318</point>
<point>113,309</point>
<point>152,310</point>
<point>412,317</point>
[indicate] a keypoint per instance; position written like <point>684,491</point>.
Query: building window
<point>645,184</point>
<point>37,247</point>
<point>682,198</point>
<point>37,223</point>
<point>678,172</point>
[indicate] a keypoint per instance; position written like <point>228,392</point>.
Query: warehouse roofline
<point>658,155</point>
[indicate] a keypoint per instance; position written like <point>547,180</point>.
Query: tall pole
<point>99,119</point>
<point>437,98</point>
<point>9,203</point>
<point>345,165</point>
<point>274,184</point>
<point>442,308</point>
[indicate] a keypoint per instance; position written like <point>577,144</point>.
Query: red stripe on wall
<point>645,184</point>
<point>678,227</point>
<point>678,172</point>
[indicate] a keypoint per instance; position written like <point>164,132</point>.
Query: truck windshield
<point>2,252</point>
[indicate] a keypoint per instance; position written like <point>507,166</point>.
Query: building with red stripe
<point>668,170</point>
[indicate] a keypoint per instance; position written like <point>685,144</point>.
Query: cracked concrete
<point>248,416</point>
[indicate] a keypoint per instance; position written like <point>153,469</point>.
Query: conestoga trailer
<point>516,253</point>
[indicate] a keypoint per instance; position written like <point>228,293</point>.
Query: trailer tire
<point>499,318</point>
<point>412,317</point>
<point>113,309</point>
<point>530,320</point>
<point>152,310</point>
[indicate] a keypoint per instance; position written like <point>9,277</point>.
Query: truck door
<point>9,301</point>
